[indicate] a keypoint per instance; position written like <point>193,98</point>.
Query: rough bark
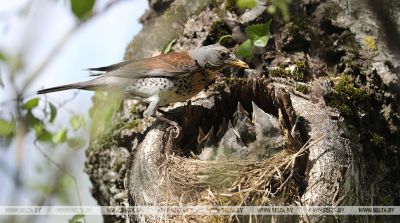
<point>335,117</point>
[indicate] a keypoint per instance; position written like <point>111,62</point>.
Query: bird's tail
<point>80,85</point>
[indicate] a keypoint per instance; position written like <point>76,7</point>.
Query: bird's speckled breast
<point>170,89</point>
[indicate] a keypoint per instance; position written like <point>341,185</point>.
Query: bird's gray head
<point>216,56</point>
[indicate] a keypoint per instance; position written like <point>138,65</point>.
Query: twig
<point>61,43</point>
<point>22,128</point>
<point>62,169</point>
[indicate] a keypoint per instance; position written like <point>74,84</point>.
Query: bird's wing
<point>173,64</point>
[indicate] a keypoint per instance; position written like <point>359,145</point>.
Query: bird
<point>160,80</point>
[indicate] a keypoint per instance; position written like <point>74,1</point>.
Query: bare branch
<point>61,43</point>
<point>62,169</point>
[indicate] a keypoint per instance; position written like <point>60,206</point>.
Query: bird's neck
<point>210,75</point>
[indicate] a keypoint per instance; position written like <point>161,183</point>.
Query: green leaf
<point>258,30</point>
<point>246,4</point>
<point>76,218</point>
<point>29,105</point>
<point>76,142</point>
<point>53,112</point>
<point>32,120</point>
<point>60,136</point>
<point>271,9</point>
<point>224,37</point>
<point>2,56</point>
<point>44,135</point>
<point>262,41</point>
<point>82,8</point>
<point>283,6</point>
<point>77,122</point>
<point>169,46</point>
<point>245,50</point>
<point>7,128</point>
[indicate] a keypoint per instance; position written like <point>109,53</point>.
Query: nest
<point>182,176</point>
<point>234,183</point>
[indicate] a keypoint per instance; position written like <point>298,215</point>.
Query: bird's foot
<point>174,129</point>
<point>162,112</point>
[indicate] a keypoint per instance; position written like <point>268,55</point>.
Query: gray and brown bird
<point>163,79</point>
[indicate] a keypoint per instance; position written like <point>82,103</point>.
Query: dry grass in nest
<point>234,182</point>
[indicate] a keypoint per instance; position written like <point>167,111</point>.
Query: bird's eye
<point>224,55</point>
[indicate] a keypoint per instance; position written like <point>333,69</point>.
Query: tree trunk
<point>315,123</point>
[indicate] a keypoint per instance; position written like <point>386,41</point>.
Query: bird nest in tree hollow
<point>240,145</point>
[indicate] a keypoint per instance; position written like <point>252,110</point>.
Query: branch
<point>39,69</point>
<point>62,169</point>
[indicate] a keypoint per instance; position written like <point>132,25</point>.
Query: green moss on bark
<point>218,30</point>
<point>298,73</point>
<point>348,98</point>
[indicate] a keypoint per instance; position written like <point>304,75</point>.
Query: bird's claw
<point>174,129</point>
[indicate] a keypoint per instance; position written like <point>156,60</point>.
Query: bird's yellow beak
<point>239,63</point>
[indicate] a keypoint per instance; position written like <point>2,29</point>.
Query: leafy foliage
<point>43,134</point>
<point>37,124</point>
<point>245,50</point>
<point>282,6</point>
<point>38,118</point>
<point>2,56</point>
<point>82,8</point>
<point>246,4</point>
<point>259,35</point>
<point>7,128</point>
<point>60,136</point>
<point>76,218</point>
<point>53,112</point>
<point>168,48</point>
<point>77,122</point>
<point>32,103</point>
